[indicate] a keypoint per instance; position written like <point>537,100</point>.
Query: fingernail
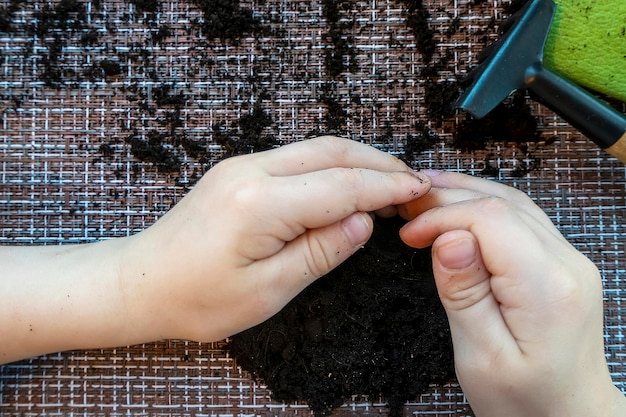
<point>357,228</point>
<point>457,254</point>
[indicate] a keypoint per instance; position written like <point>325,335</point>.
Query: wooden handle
<point>618,149</point>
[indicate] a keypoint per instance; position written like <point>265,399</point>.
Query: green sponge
<point>587,44</point>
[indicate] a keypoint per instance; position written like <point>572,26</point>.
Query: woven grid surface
<point>69,174</point>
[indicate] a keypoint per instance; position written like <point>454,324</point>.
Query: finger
<point>324,197</point>
<point>439,197</point>
<point>499,225</point>
<point>325,152</point>
<point>508,239</point>
<point>517,251</point>
<point>436,197</point>
<point>463,282</point>
<point>454,180</point>
<point>312,255</point>
<point>472,213</point>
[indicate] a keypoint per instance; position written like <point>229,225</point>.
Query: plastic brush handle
<point>592,117</point>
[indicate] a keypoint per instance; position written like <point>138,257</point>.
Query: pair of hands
<point>525,308</point>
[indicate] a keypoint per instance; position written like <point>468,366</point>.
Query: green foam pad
<point>587,44</point>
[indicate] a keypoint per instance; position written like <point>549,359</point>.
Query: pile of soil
<point>374,326</point>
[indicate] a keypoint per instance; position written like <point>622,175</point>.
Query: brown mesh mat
<point>69,171</point>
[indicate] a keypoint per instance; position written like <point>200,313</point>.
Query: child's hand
<point>525,307</point>
<point>255,231</point>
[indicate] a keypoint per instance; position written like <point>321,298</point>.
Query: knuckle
<point>336,144</point>
<point>591,278</point>
<point>495,206</point>
<point>521,197</point>
<point>227,165</point>
<point>330,139</point>
<point>580,288</point>
<point>319,260</point>
<point>352,178</point>
<point>460,297</point>
<point>338,148</point>
<point>247,194</point>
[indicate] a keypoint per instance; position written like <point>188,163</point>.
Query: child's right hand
<point>525,307</point>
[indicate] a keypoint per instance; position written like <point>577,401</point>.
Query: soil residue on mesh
<point>67,22</point>
<point>417,18</point>
<point>340,46</point>
<point>248,135</point>
<point>227,20</point>
<point>374,326</point>
<point>511,122</point>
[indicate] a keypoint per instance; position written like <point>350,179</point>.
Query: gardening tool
<point>516,62</point>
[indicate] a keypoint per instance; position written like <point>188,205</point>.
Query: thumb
<point>325,248</point>
<point>318,251</point>
<point>464,286</point>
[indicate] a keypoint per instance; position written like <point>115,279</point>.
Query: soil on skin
<point>374,326</point>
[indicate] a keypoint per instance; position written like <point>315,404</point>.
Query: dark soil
<point>439,97</point>
<point>417,17</point>
<point>147,6</point>
<point>154,150</point>
<point>374,326</point>
<point>110,68</point>
<point>340,49</point>
<point>510,121</point>
<point>226,19</point>
<point>336,115</point>
<point>7,14</point>
<point>55,25</point>
<point>424,140</point>
<point>247,136</point>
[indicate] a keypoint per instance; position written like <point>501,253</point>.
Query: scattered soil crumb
<point>227,20</point>
<point>247,136</point>
<point>417,17</point>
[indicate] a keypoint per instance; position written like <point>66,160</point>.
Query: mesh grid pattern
<point>68,174</point>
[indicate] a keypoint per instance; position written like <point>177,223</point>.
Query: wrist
<point>594,397</point>
<point>147,275</point>
<point>60,298</point>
